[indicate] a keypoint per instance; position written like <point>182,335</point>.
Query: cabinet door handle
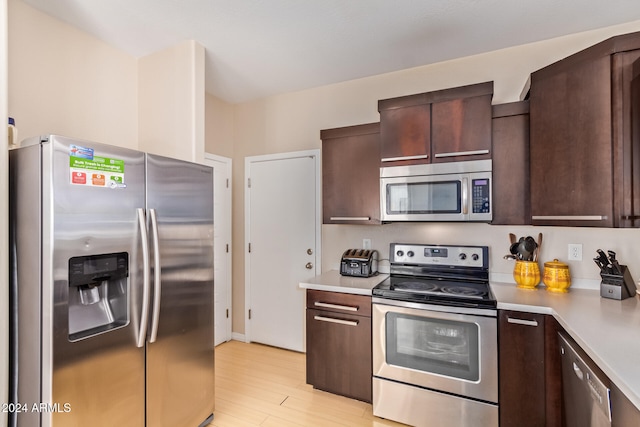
<point>336,306</point>
<point>461,153</point>
<point>350,218</point>
<point>522,321</point>
<point>340,321</point>
<point>395,159</point>
<point>570,217</point>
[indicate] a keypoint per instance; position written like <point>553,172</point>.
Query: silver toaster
<point>359,262</point>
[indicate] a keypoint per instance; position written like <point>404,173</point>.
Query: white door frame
<point>210,160</point>
<point>247,220</point>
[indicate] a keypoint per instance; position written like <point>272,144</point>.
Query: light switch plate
<point>366,243</point>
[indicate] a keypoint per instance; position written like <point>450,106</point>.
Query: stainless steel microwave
<point>457,191</point>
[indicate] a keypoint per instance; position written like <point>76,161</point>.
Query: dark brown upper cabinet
<point>440,126</point>
<point>511,198</point>
<point>351,174</point>
<point>585,162</point>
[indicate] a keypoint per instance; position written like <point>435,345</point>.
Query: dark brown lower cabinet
<point>530,383</point>
<point>339,343</point>
<point>521,372</point>
<point>529,373</point>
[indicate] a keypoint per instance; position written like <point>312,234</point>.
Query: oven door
<point>449,352</point>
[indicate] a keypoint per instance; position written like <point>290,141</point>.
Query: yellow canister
<point>556,276</point>
<point>526,274</point>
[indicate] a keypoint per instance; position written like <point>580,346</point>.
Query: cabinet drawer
<point>359,305</point>
<point>339,353</point>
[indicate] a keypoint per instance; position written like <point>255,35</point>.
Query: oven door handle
<point>333,320</point>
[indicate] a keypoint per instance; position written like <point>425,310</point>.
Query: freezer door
<point>84,332</point>
<point>180,365</point>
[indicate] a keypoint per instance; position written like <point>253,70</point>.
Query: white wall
<point>172,102</point>
<point>64,81</point>
<point>219,126</point>
<point>293,121</point>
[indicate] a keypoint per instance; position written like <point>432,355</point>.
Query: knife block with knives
<point>617,282</point>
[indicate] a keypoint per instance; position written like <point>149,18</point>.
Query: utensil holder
<point>617,286</point>
<point>526,274</point>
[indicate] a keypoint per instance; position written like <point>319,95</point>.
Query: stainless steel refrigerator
<point>111,287</point>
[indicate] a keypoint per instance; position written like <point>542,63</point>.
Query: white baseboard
<point>238,337</point>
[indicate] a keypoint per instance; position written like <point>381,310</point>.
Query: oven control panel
<point>455,256</point>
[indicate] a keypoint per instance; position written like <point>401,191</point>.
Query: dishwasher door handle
<point>578,371</point>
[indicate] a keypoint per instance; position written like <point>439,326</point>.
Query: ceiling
<point>258,48</point>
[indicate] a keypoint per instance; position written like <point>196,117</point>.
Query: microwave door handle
<point>465,196</point>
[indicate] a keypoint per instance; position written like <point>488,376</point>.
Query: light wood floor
<point>258,385</point>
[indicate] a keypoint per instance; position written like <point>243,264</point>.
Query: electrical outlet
<point>366,243</point>
<point>575,252</point>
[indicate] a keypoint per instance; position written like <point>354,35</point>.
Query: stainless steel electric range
<point>435,337</point>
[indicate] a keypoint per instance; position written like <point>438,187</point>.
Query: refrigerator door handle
<point>144,317</point>
<point>156,277</point>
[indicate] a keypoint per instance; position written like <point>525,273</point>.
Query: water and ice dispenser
<point>98,294</point>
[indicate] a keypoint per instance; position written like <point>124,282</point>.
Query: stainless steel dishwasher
<point>585,393</point>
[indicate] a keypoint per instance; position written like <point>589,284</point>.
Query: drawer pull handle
<point>336,306</point>
<point>396,159</point>
<point>522,321</point>
<point>340,321</point>
<point>350,218</point>
<point>461,153</point>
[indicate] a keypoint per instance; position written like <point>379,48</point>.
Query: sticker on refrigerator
<point>82,152</point>
<point>97,171</point>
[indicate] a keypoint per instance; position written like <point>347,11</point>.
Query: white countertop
<point>607,330</point>
<point>332,281</point>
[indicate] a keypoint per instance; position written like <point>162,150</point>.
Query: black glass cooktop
<point>436,291</point>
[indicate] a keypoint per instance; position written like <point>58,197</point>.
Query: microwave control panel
<point>480,195</point>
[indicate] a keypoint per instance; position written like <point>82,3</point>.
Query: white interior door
<point>282,229</point>
<point>221,245</point>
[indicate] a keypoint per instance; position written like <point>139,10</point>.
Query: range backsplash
<point>584,274</point>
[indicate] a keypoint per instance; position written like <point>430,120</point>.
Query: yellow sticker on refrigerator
<point>97,172</point>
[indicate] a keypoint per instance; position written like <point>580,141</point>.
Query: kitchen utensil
<point>514,249</point>
<point>603,268</point>
<point>509,256</point>
<point>605,261</point>
<point>526,274</point>
<point>537,252</point>
<point>512,238</point>
<point>556,276</point>
<point>526,247</point>
<point>614,263</point>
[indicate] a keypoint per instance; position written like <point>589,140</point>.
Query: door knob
<point>309,251</point>
<point>309,266</point>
